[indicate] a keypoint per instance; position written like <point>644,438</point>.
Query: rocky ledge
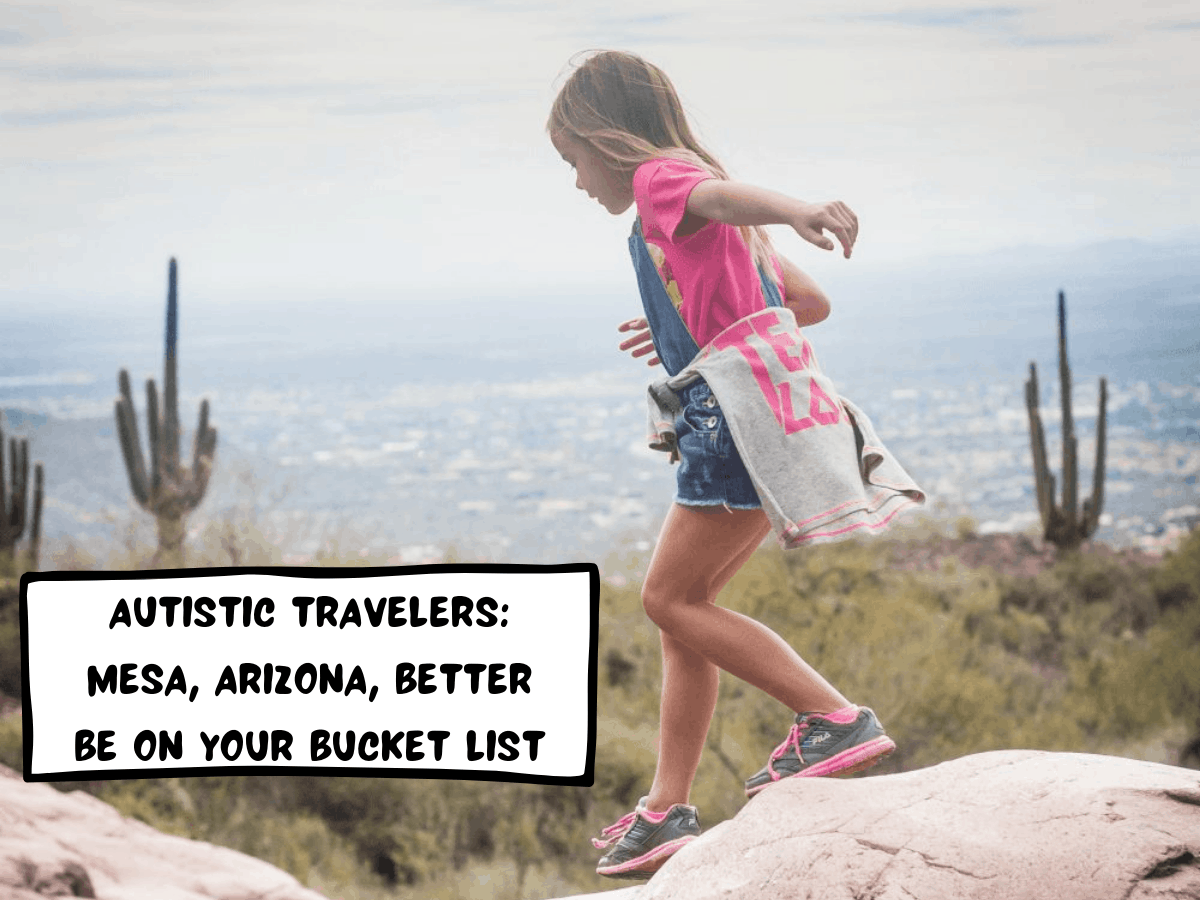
<point>55,844</point>
<point>1007,825</point>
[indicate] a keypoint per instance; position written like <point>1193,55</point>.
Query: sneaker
<point>839,743</point>
<point>645,840</point>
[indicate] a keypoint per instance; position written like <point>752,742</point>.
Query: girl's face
<point>593,174</point>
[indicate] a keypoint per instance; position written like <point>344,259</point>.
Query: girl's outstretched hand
<point>835,216</point>
<point>640,344</point>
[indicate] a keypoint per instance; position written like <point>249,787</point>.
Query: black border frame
<point>586,779</point>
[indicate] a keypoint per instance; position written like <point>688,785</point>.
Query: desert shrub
<point>1121,584</point>
<point>625,757</point>
<point>964,660</point>
<point>10,639</point>
<point>233,542</point>
<point>11,743</point>
<point>10,657</point>
<point>227,811</point>
<point>1169,662</point>
<point>1091,655</point>
<point>1040,596</point>
<point>1176,582</point>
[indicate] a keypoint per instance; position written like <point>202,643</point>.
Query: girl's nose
<point>578,181</point>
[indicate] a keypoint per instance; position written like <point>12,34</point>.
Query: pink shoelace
<point>615,831</point>
<point>792,740</point>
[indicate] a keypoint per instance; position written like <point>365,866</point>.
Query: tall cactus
<point>14,500</point>
<point>168,491</point>
<point>1064,526</point>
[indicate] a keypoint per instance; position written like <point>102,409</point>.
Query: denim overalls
<point>710,472</point>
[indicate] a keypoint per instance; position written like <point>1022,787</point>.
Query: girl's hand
<point>640,343</point>
<point>835,216</point>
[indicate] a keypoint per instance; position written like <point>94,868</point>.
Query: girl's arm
<point>802,295</point>
<point>735,203</point>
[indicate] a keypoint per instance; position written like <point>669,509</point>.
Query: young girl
<point>709,279</point>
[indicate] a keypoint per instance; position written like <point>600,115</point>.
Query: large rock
<point>1009,825</point>
<point>73,845</point>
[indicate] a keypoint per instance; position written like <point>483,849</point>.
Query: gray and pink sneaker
<point>645,840</point>
<point>837,743</point>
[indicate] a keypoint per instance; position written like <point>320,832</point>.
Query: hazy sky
<point>375,149</point>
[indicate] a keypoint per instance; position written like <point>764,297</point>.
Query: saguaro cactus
<point>1065,526</point>
<point>14,500</point>
<point>168,490</point>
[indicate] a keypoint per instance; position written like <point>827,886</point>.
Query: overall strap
<point>770,291</point>
<point>673,342</point>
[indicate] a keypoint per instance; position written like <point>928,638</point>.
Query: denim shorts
<point>711,473</point>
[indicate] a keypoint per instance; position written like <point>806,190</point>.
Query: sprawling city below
<point>559,470</point>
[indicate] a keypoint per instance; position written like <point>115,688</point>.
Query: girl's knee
<point>655,604</point>
<point>663,602</point>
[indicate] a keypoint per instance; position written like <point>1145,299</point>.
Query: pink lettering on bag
<point>789,421</point>
<point>735,336</point>
<point>782,343</point>
<point>822,410</point>
<point>818,398</point>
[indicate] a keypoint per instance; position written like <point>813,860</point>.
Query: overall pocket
<point>702,426</point>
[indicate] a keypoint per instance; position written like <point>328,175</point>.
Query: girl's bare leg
<point>697,553</point>
<point>689,689</point>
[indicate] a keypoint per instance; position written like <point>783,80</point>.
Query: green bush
<point>11,743</point>
<point>1098,653</point>
<point>1176,583</point>
<point>10,657</point>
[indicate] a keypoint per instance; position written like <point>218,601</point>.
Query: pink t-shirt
<point>710,275</point>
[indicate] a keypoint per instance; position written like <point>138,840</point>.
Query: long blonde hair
<point>627,110</point>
